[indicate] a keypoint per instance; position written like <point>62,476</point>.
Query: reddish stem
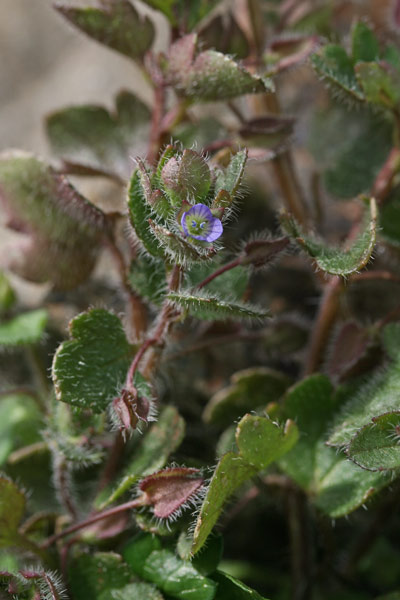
<point>93,519</point>
<point>231,265</point>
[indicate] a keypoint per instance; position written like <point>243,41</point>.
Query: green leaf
<point>204,306</point>
<point>139,214</point>
<point>376,446</point>
<point>389,218</point>
<point>250,389</point>
<point>92,575</point>
<point>364,44</point>
<point>20,422</point>
<point>207,560</point>
<point>177,248</point>
<point>114,23</point>
<point>261,441</point>
<point>346,487</point>
<point>380,83</point>
<point>147,278</point>
<point>310,404</point>
<point>27,328</point>
<point>334,260</point>
<point>12,508</point>
<point>134,591</point>
<point>88,369</point>
<point>379,395</point>
<point>59,230</point>
<point>100,141</point>
<point>137,551</point>
<point>163,438</point>
<point>7,294</point>
<point>336,69</point>
<point>210,75</point>
<point>337,485</point>
<point>177,578</point>
<point>230,179</point>
<point>230,588</point>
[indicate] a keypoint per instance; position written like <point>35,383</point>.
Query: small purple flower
<point>200,224</point>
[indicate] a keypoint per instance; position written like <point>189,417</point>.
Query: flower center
<point>197,226</point>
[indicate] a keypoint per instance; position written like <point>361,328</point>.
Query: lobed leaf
<point>114,23</point>
<point>209,307</point>
<point>91,137</point>
<point>260,442</point>
<point>334,260</point>
<point>89,368</point>
<point>26,328</point>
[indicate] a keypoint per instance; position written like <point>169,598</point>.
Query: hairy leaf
<point>58,229</point>
<point>91,137</point>
<point>376,446</point>
<point>208,75</point>
<point>336,69</point>
<point>380,83</point>
<point>230,179</point>
<point>334,260</point>
<point>364,45</point>
<point>177,248</point>
<point>134,591</point>
<point>12,508</point>
<point>26,328</point>
<point>89,368</point>
<point>379,395</point>
<point>204,306</point>
<point>115,23</point>
<point>140,212</point>
<point>147,278</point>
<point>232,283</point>
<point>260,442</point>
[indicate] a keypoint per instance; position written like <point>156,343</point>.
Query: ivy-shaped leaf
<point>26,328</point>
<point>163,438</point>
<point>115,23</point>
<point>208,307</point>
<point>376,446</point>
<point>334,260</point>
<point>260,442</point>
<point>89,368</point>
<point>92,138</point>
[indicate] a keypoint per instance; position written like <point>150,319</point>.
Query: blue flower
<point>200,224</point>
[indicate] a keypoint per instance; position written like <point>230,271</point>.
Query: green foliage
<point>163,438</point>
<point>147,278</point>
<point>114,23</point>
<point>230,588</point>
<point>334,260</point>
<point>89,137</point>
<point>260,442</point>
<point>7,294</point>
<point>140,212</point>
<point>12,509</point>
<point>27,328</point>
<point>188,13</point>
<point>206,306</point>
<point>376,397</point>
<point>83,373</point>
<point>177,578</point>
<point>232,283</point>
<point>230,179</point>
<point>250,389</point>
<point>376,445</point>
<point>337,485</point>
